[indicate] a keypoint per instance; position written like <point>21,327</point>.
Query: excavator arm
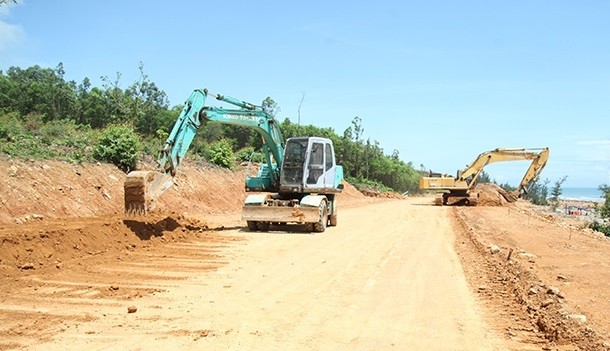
<point>533,172</point>
<point>143,188</point>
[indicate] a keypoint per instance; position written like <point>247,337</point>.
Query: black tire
<point>320,226</point>
<point>263,226</point>
<point>252,226</point>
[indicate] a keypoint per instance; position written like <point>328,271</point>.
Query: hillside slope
<point>55,189</point>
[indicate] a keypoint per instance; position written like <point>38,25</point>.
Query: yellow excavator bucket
<point>142,189</point>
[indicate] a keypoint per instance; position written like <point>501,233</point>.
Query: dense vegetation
<point>603,225</point>
<point>44,116</point>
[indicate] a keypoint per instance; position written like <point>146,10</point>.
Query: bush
<point>10,127</point>
<point>221,153</point>
<point>600,227</point>
<point>248,154</point>
<point>119,145</point>
<point>17,141</point>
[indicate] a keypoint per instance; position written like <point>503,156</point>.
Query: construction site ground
<point>395,273</point>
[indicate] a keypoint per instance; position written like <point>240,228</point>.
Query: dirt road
<point>394,274</point>
<point>387,277</point>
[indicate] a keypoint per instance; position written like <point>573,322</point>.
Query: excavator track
<point>142,189</point>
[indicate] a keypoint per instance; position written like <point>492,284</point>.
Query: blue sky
<point>439,81</point>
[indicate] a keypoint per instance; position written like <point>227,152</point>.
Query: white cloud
<point>9,34</point>
<point>594,142</point>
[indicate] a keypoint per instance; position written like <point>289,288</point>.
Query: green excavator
<point>297,182</point>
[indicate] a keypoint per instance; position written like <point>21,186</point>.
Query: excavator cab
<point>309,166</point>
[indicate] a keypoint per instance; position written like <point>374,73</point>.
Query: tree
<point>6,88</point>
<point>92,105</point>
<point>556,191</point>
<point>146,104</point>
<point>116,100</point>
<point>538,192</point>
<point>270,107</point>
<point>604,210</point>
<point>484,178</point>
<point>38,90</point>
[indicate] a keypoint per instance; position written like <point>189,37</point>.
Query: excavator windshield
<point>294,159</point>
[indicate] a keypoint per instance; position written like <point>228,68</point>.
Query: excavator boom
<point>143,188</point>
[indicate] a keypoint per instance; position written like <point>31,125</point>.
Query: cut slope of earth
<point>53,211</point>
<point>557,271</point>
<point>53,189</point>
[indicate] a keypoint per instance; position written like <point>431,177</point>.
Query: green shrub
<point>119,145</point>
<point>10,127</point>
<point>19,142</point>
<point>244,154</point>
<point>247,154</point>
<point>600,227</point>
<point>221,153</point>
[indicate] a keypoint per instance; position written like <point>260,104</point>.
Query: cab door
<point>315,168</point>
<point>329,166</point>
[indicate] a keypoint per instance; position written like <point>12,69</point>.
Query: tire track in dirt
<point>47,300</point>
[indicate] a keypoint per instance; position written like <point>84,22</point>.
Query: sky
<point>438,81</point>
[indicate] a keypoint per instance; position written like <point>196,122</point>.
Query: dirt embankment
<point>33,190</point>
<point>54,211</point>
<point>553,268</point>
<point>53,189</point>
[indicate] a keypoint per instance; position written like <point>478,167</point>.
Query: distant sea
<point>581,194</point>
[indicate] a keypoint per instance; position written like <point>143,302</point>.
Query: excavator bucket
<point>142,189</point>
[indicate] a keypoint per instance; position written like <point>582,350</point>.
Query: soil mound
<point>52,243</point>
<point>491,194</point>
<point>349,192</point>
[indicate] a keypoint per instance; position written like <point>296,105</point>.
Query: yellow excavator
<point>459,190</point>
